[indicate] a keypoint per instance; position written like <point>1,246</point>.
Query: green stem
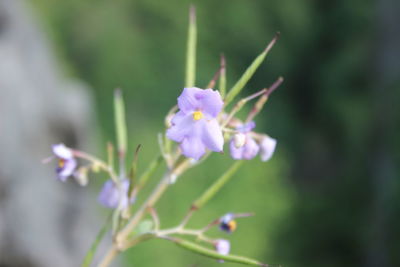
<point>213,254</point>
<point>95,161</point>
<point>222,78</point>
<point>241,83</point>
<point>191,50</point>
<point>120,125</point>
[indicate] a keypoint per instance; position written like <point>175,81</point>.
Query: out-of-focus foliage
<point>329,197</point>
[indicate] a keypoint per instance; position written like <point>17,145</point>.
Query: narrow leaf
<point>110,155</point>
<point>241,83</point>
<point>120,122</point>
<point>222,78</point>
<point>191,50</point>
<point>92,251</point>
<point>132,172</point>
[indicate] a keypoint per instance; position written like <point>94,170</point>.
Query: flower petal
<point>192,147</point>
<point>110,196</point>
<point>182,125</point>
<point>208,101</point>
<point>211,103</point>
<point>251,148</point>
<point>227,218</point>
<point>245,128</point>
<point>248,151</point>
<point>67,170</point>
<point>236,152</point>
<point>267,145</point>
<point>211,135</point>
<point>188,101</point>
<point>61,151</point>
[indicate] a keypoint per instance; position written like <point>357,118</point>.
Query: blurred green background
<point>330,195</point>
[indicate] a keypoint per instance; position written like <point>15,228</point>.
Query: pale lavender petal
<point>110,196</point>
<point>251,148</point>
<point>178,117</point>
<point>188,101</point>
<point>239,139</point>
<point>67,169</point>
<point>61,151</point>
<point>223,247</point>
<point>211,135</point>
<point>207,101</point>
<point>211,103</point>
<point>181,127</point>
<point>227,218</point>
<point>192,147</point>
<point>267,145</point>
<point>236,152</point>
<point>248,151</point>
<point>247,127</point>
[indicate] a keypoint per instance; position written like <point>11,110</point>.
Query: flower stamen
<point>197,115</point>
<point>61,163</point>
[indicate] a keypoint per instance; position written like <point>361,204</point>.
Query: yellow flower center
<point>61,163</point>
<point>232,226</point>
<point>197,115</point>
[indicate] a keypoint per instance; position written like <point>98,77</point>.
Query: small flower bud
<point>267,147</point>
<point>95,167</point>
<point>223,247</point>
<point>81,176</point>
<point>239,140</point>
<point>172,178</point>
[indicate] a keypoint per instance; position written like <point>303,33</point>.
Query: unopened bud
<point>267,146</point>
<point>172,178</point>
<point>239,140</point>
<point>81,176</point>
<point>223,247</point>
<point>95,167</point>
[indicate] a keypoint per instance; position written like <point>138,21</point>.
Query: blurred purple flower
<point>242,145</point>
<point>110,196</point>
<point>227,223</point>
<point>66,161</point>
<point>267,146</point>
<point>195,126</point>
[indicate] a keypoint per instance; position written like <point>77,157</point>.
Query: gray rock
<point>43,222</point>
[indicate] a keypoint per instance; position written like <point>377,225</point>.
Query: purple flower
<point>227,223</point>
<point>110,196</point>
<point>195,126</point>
<point>223,247</point>
<point>242,145</point>
<point>66,161</point>
<point>267,146</point>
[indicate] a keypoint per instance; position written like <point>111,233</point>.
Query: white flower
<point>267,146</point>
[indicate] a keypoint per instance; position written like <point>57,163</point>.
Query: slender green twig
<point>239,105</point>
<point>241,83</point>
<point>99,163</point>
<point>191,49</point>
<point>222,78</point>
<point>263,99</point>
<point>212,253</point>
